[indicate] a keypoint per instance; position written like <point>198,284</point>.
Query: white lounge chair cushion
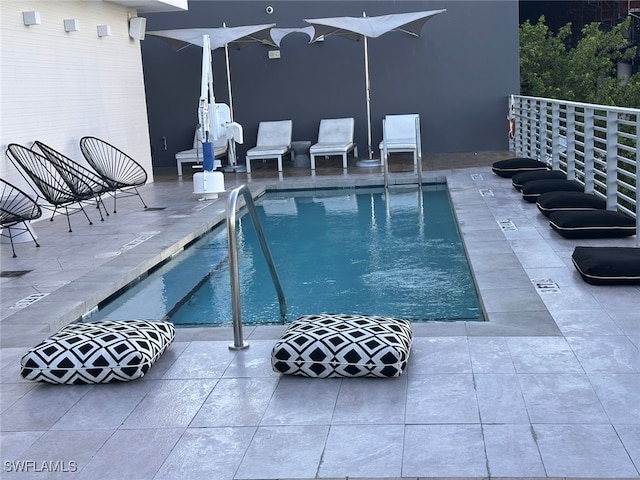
<point>400,131</point>
<point>333,345</point>
<point>335,135</point>
<point>267,151</point>
<point>98,352</point>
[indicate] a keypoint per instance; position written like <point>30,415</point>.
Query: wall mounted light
<point>137,26</point>
<point>104,30</point>
<point>31,18</point>
<point>71,25</point>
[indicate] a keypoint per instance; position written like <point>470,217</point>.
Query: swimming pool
<point>396,253</point>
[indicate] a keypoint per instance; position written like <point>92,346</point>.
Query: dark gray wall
<point>457,75</point>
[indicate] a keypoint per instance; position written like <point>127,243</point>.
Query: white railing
<point>597,145</point>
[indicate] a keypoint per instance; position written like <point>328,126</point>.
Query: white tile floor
<point>548,387</point>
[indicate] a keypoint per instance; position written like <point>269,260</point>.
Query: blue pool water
<point>339,251</point>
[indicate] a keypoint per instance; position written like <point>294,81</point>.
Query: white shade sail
<point>362,28</point>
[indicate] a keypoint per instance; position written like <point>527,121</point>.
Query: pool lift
<point>208,183</point>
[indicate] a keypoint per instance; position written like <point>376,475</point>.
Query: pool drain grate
<point>545,285</point>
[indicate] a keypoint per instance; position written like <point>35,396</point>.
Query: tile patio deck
<point>548,387</point>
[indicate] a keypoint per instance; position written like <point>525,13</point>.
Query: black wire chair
<point>37,170</point>
<point>77,176</point>
<point>115,167</point>
<point>16,209</point>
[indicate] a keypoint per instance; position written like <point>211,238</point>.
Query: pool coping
<point>487,248</point>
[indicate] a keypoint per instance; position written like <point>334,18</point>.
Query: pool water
<point>370,252</point>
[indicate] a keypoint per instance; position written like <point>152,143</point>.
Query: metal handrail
<point>232,239</point>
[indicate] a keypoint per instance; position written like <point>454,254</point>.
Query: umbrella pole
<point>368,90</point>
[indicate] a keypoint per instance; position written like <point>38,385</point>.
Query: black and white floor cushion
<point>98,352</point>
<point>592,224</point>
<point>563,201</point>
<point>608,265</point>
<point>511,166</point>
<point>520,179</point>
<point>334,345</point>
<point>532,190</point>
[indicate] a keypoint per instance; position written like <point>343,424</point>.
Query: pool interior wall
<point>359,251</point>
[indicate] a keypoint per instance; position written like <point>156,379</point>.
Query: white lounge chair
<point>335,137</point>
<point>401,134</point>
<point>274,141</point>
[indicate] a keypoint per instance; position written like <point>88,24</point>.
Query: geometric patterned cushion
<point>332,345</point>
<point>98,352</point>
<point>512,166</point>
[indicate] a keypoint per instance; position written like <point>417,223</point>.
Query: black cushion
<point>521,178</point>
<point>532,190</point>
<point>511,166</point>
<point>608,265</point>
<point>592,224</point>
<point>561,201</point>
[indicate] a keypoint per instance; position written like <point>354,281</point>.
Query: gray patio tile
<point>104,407</point>
<point>444,451</point>
<point>500,399</point>
<point>512,451</point>
<point>363,451</point>
<point>14,444</point>
<point>201,360</point>
<point>610,354</point>
<point>170,403</point>
<point>626,320</point>
<point>543,355</point>
<point>535,253</point>
<point>569,298</point>
<point>619,394</point>
<point>507,324</point>
<point>630,437</point>
<point>561,398</point>
<point>511,300</point>
<point>583,451</point>
<point>284,452</point>
<point>132,454</point>
<point>490,355</point>
<point>379,401</point>
<point>302,401</point>
<point>41,407</point>
<point>236,402</point>
<point>68,452</point>
<point>585,322</point>
<point>12,392</point>
<point>441,398</point>
<point>440,355</point>
<point>207,454</point>
<point>254,361</point>
<point>166,360</point>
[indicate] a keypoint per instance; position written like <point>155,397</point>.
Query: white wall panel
<point>58,86</point>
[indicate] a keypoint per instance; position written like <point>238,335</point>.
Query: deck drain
<point>25,302</point>
<point>154,209</point>
<point>476,176</point>
<point>507,226</point>
<point>13,273</point>
<point>486,192</point>
<point>545,285</point>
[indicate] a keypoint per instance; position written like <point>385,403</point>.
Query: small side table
<point>301,154</point>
